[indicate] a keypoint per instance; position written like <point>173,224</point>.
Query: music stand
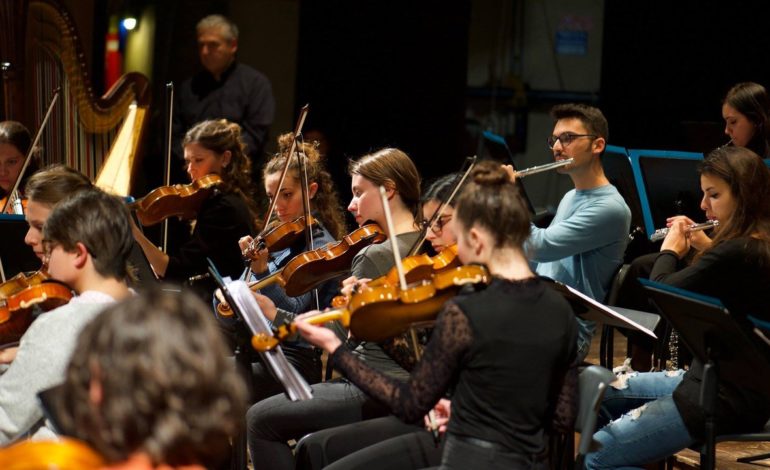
<point>726,348</point>
<point>589,309</point>
<point>15,255</point>
<point>668,185</point>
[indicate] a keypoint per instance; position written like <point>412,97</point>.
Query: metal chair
<point>593,382</point>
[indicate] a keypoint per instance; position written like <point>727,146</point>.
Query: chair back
<point>593,381</point>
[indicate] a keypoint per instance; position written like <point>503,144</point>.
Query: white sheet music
<point>296,386</point>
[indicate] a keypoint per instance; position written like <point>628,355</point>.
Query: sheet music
<point>597,311</point>
<point>295,385</point>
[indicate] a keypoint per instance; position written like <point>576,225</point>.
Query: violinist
<point>736,270</point>
<point>275,420</point>
<point>327,212</point>
<point>44,190</point>
<point>327,446</point>
<point>15,141</point>
<point>485,344</point>
<point>211,147</point>
<point>86,242</point>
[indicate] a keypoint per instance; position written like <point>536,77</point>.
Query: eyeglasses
<point>438,226</point>
<point>566,138</point>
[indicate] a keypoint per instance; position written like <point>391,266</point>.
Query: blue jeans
<point>647,426</point>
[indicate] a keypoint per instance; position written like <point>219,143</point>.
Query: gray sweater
<point>41,361</point>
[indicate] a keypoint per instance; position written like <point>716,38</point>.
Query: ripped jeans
<point>647,426</point>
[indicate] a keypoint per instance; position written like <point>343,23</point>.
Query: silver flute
<point>661,233</point>
<point>541,168</point>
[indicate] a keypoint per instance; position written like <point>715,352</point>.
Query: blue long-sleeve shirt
<point>584,244</point>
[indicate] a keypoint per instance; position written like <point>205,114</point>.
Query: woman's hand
<point>353,284</point>
<point>678,238</point>
<point>258,259</point>
<point>7,355</point>
<point>698,240</point>
<point>319,336</point>
<point>266,305</point>
<point>441,414</point>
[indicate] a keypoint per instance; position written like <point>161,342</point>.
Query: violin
<point>181,200</point>
<point>63,454</point>
<point>10,209</point>
<point>280,236</point>
<point>378,313</point>
<point>19,295</point>
<point>416,268</point>
<point>308,270</point>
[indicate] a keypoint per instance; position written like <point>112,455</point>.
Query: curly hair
<point>490,200</point>
<point>220,136</point>
<point>326,201</point>
<point>165,386</point>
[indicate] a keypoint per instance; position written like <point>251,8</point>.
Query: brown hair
<point>749,181</point>
<point>326,201</point>
<point>14,133</point>
<point>392,167</point>
<point>167,387</point>
<point>220,136</point>
<point>592,118</point>
<point>751,100</point>
<point>54,183</point>
<point>491,201</point>
<point>101,223</point>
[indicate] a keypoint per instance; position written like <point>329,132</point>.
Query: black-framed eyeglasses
<point>438,226</point>
<point>566,138</point>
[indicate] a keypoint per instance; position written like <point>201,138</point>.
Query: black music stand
<point>728,349</point>
<point>15,255</point>
<point>589,309</point>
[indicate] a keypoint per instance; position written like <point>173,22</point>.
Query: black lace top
<point>506,348</point>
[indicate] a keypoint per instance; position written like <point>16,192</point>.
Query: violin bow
<point>309,241</point>
<point>470,162</point>
<point>392,237</point>
<point>169,139</point>
<point>14,194</point>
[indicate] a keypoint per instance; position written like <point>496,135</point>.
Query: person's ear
<point>80,255</point>
<point>312,189</point>
<point>599,145</point>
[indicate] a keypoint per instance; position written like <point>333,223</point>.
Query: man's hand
<point>319,336</point>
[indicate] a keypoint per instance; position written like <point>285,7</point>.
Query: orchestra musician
<point>736,270</point>
<point>398,444</point>
<point>275,420</point>
<point>746,112</point>
<point>44,190</point>
<point>583,246</point>
<point>485,343</point>
<point>211,147</point>
<point>86,242</point>
<point>15,141</point>
<point>180,413</point>
<point>330,226</point>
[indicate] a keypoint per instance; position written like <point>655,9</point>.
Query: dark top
<point>222,220</point>
<point>393,357</point>
<point>506,348</point>
<point>242,95</point>
<point>736,273</point>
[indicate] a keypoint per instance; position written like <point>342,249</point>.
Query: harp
<point>101,136</point>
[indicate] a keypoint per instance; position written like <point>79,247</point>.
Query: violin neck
<point>267,281</point>
<point>341,314</point>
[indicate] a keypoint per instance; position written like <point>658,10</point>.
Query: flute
<point>541,168</point>
<point>661,233</point>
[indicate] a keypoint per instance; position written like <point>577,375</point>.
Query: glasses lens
<point>552,141</point>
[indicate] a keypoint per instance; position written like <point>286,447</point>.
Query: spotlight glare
<point>129,23</point>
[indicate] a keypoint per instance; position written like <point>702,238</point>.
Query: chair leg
<point>754,458</point>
